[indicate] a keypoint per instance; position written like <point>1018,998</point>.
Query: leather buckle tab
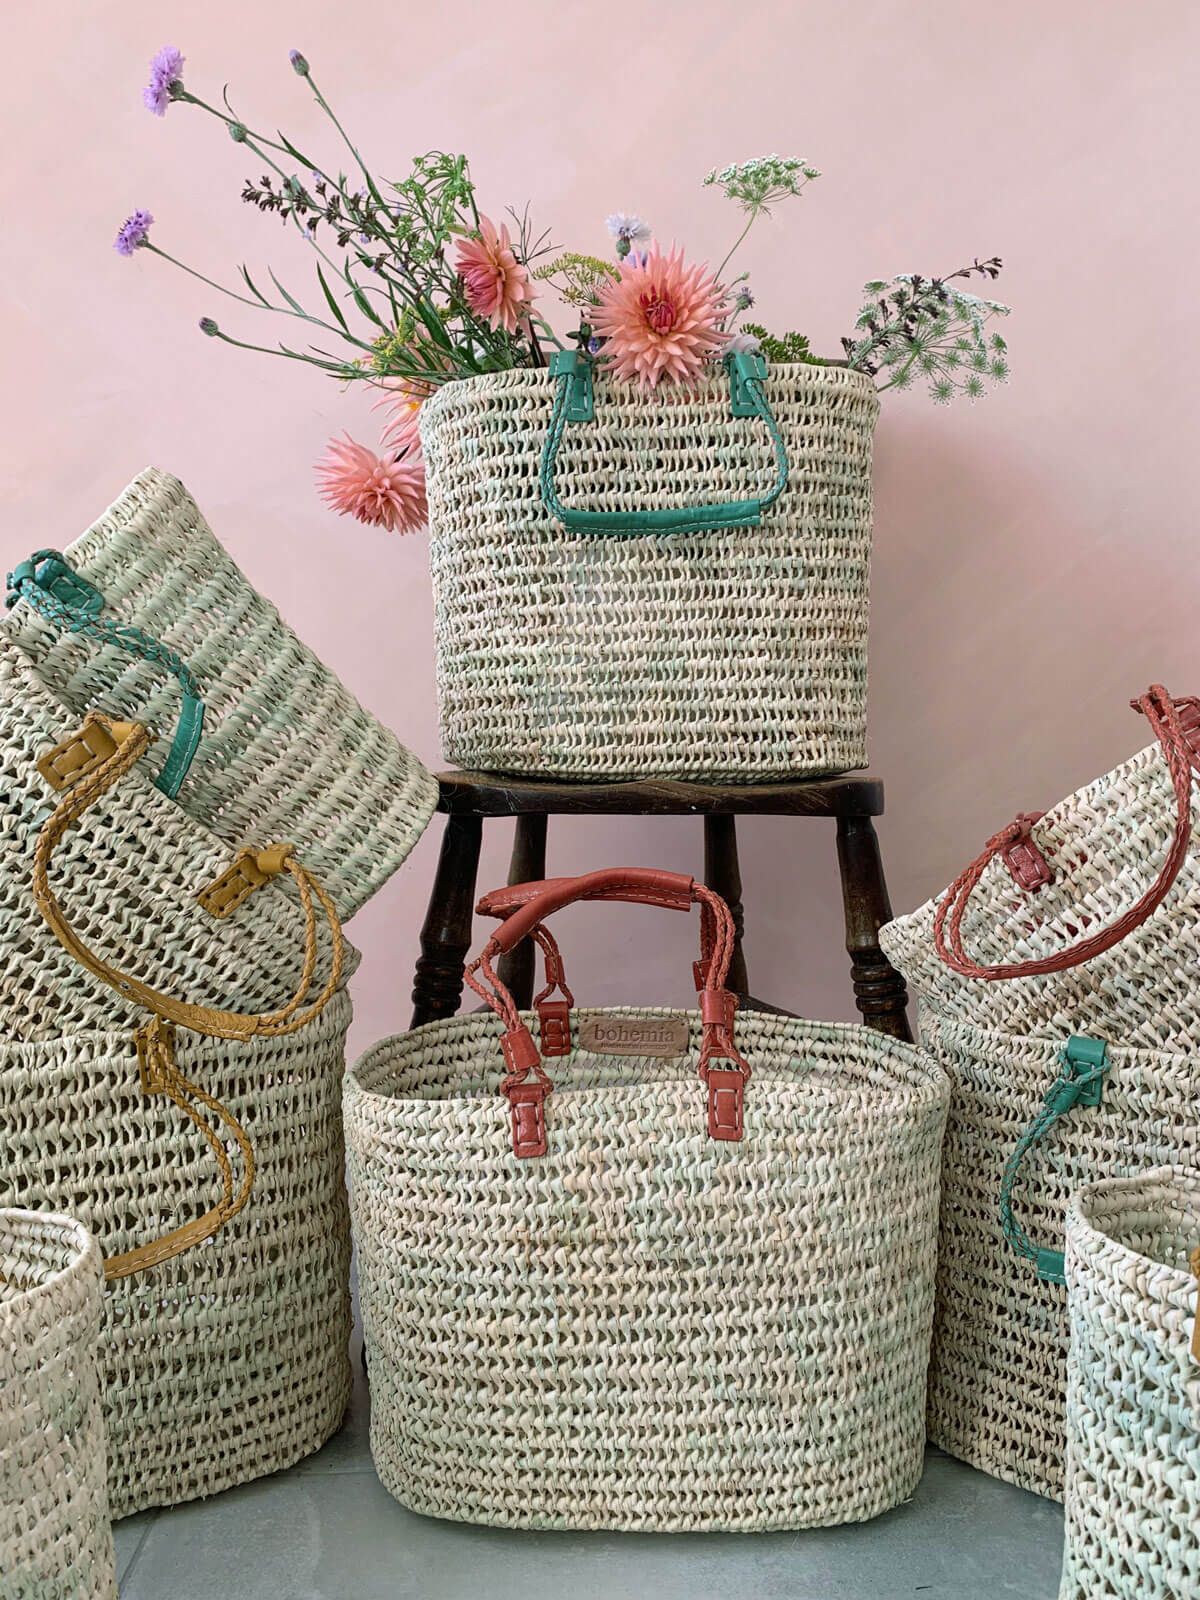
<point>527,1104</point>
<point>554,1017</point>
<point>1024,859</point>
<point>76,755</point>
<point>237,883</point>
<point>726,1098</point>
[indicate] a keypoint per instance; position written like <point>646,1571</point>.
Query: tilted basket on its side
<point>1059,988</point>
<point>282,749</point>
<point>669,585</point>
<point>684,1286</point>
<point>55,1538</point>
<point>1133,1400</point>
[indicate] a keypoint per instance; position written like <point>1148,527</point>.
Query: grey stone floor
<point>328,1529</point>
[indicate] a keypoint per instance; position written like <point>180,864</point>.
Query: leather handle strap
<point>132,741</point>
<point>525,908</point>
<point>159,1073</point>
<point>1163,714</point>
<point>573,402</point>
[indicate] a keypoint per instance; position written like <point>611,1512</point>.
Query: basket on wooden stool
<point>1133,1400</point>
<point>55,1538</point>
<point>581,635</point>
<point>660,1270</point>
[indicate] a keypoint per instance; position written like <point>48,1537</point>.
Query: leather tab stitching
<point>234,886</point>
<point>77,755</point>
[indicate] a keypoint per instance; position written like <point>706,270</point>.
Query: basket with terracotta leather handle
<point>524,908</point>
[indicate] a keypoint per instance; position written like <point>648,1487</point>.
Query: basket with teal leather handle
<point>666,584</point>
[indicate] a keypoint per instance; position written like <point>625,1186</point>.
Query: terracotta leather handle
<point>524,907</point>
<point>534,902</point>
<point>1177,727</point>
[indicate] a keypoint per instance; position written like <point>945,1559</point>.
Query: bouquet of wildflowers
<point>413,286</point>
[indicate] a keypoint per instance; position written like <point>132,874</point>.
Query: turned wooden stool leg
<point>723,876</point>
<point>879,990</point>
<point>528,863</point>
<point>446,934</point>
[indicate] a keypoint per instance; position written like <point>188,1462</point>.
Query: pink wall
<point>1035,554</point>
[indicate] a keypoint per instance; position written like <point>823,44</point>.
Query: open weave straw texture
<point>287,752</point>
<point>997,1379</point>
<point>648,1328</point>
<point>55,1539</point>
<point>1133,1402</point>
<point>230,1360</point>
<point>127,877</point>
<point>1104,844</point>
<point>737,655</point>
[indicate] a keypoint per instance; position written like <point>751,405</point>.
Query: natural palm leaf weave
<point>647,1328</point>
<point>734,654</point>
<point>55,1539</point>
<point>1133,1401</point>
<point>997,1377</point>
<point>1105,844</point>
<point>287,752</point>
<point>230,1360</point>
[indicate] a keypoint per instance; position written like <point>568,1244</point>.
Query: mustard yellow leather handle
<point>159,1073</point>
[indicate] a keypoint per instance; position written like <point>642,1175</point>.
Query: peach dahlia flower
<point>659,318</point>
<point>382,490</point>
<point>495,283</point>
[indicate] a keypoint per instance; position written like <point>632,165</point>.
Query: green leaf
<point>331,302</point>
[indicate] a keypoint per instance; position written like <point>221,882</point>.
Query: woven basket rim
<point>539,378</point>
<point>931,1080</point>
<point>1150,1195</point>
<point>1183,1060</point>
<point>83,1257</point>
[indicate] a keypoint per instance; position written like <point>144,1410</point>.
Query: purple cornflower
<point>299,64</point>
<point>133,232</point>
<point>166,71</point>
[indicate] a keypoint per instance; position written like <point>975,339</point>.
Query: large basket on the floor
<point>725,641</point>
<point>998,1371</point>
<point>221,1140</point>
<point>1084,920</point>
<point>638,1300</point>
<point>286,751</point>
<point>55,1538</point>
<point>1133,1403</point>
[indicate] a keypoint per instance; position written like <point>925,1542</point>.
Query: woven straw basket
<point>55,1539</point>
<point>655,1324</point>
<point>1133,1405</point>
<point>1082,870</point>
<point>999,1364</point>
<point>239,1344</point>
<point>286,752</point>
<point>628,645</point>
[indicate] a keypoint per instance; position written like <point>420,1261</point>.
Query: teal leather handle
<point>573,402</point>
<point>61,595</point>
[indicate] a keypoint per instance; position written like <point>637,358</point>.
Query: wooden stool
<point>468,797</point>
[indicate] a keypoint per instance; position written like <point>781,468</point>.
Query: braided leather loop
<point>524,906</point>
<point>1162,713</point>
<point>160,1075</point>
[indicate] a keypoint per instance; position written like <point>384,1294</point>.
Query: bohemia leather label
<point>635,1036</point>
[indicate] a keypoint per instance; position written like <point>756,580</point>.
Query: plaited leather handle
<point>1173,722</point>
<point>525,908</point>
<point>159,1073</point>
<point>132,741</point>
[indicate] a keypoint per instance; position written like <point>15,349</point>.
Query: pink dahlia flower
<point>496,285</point>
<point>659,318</point>
<point>382,490</point>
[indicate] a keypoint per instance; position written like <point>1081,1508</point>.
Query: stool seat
<point>491,794</point>
<point>467,798</point>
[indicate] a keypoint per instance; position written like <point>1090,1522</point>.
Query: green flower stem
<point>343,370</point>
<point>328,110</point>
<point>736,242</point>
<point>256,305</point>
